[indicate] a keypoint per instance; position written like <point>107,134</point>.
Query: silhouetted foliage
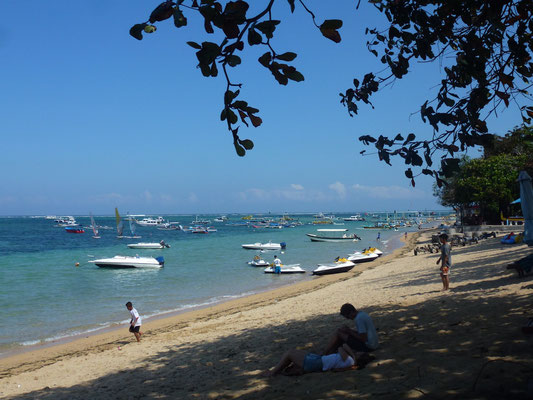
<point>490,43</point>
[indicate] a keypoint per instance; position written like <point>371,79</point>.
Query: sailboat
<point>132,228</point>
<point>93,225</point>
<point>120,225</point>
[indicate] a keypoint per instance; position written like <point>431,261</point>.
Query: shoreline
<point>462,343</point>
<point>108,337</point>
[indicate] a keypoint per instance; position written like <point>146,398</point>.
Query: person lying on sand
<point>362,338</point>
<point>298,362</point>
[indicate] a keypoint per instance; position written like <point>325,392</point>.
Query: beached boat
<point>264,246</point>
<point>286,269</point>
<point>332,235</point>
<point>362,257</point>
<point>370,250</point>
<point>155,245</point>
<point>341,265</point>
<point>129,262</point>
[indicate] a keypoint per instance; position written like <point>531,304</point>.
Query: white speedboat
<point>130,262</point>
<point>342,265</point>
<point>286,269</point>
<point>358,257</point>
<point>333,235</point>
<point>160,245</point>
<point>265,246</point>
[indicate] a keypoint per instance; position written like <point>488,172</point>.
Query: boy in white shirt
<point>135,322</point>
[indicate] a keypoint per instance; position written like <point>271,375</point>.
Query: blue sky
<point>92,119</point>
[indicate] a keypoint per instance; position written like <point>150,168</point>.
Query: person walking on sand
<point>298,362</point>
<point>277,265</point>
<point>135,322</point>
<point>362,338</point>
<point>446,261</point>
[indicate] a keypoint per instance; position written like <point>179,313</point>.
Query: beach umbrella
<point>526,198</point>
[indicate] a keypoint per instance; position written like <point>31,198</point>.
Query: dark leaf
<point>295,76</point>
<point>291,4</point>
<point>162,11</point>
<point>194,45</point>
<point>267,27</point>
<point>136,31</point>
<point>179,18</point>
<point>247,144</point>
<point>333,24</point>
<point>233,60</point>
<point>256,121</point>
<point>289,56</point>
<point>239,149</point>
<point>410,138</point>
<point>409,173</point>
<point>265,59</point>
<point>254,37</point>
<point>331,34</point>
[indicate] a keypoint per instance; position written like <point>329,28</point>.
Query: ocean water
<point>44,296</point>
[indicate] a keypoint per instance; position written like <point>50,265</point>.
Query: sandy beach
<point>464,343</point>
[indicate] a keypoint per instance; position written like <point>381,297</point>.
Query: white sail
<point>93,225</point>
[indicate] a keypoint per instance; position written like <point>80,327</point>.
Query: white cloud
<point>339,188</point>
<point>147,196</point>
<point>294,193</point>
<point>389,192</point>
<point>193,198</point>
<point>297,186</point>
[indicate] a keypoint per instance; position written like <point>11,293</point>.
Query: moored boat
<point>265,246</point>
<point>160,245</point>
<point>129,262</point>
<point>74,229</point>
<point>332,235</point>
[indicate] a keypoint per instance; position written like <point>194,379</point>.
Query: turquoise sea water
<point>45,297</point>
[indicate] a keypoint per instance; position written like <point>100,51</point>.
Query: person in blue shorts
<point>361,338</point>
<point>298,362</point>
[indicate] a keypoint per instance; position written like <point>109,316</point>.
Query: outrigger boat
<point>332,235</point>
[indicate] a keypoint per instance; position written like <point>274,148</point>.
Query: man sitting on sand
<point>363,338</point>
<point>298,362</point>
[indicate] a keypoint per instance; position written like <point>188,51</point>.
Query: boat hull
<point>148,246</point>
<point>362,259</point>
<point>316,238</point>
<point>334,268</point>
<point>264,246</point>
<point>129,262</point>
<point>286,269</point>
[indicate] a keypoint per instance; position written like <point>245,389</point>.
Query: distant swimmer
<point>379,236</point>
